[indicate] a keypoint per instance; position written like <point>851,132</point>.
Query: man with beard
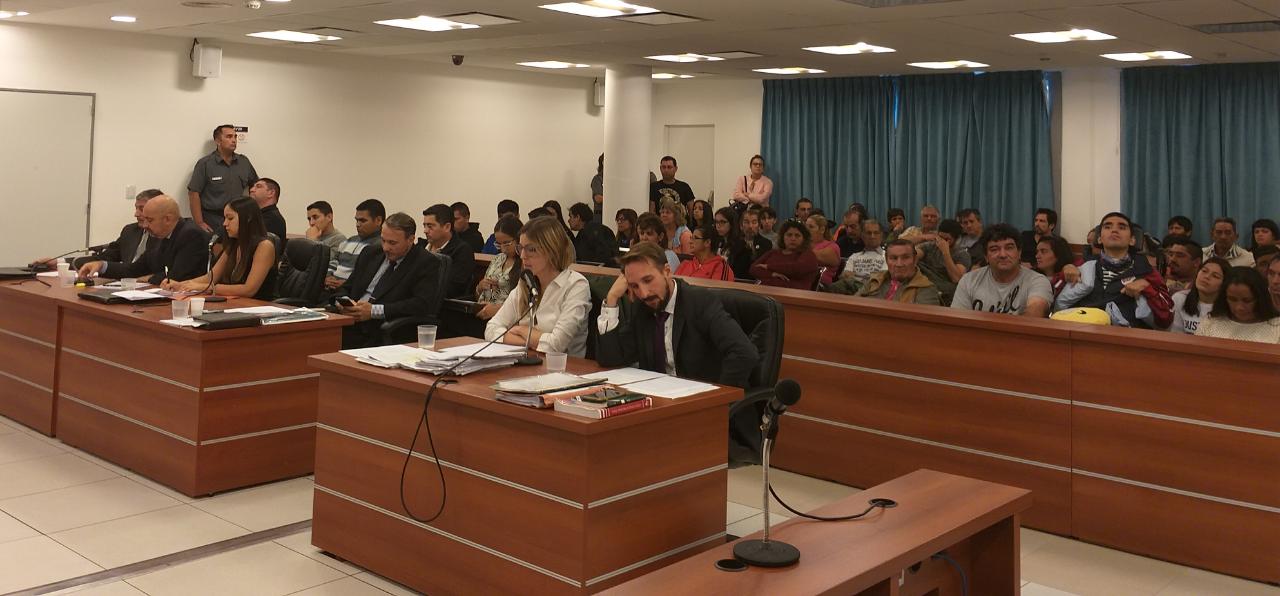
<point>671,327</point>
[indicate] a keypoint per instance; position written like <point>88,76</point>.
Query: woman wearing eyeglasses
<point>705,262</point>
<point>504,270</point>
<point>560,307</point>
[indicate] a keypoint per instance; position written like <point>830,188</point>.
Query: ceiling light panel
<point>659,18</point>
<point>1064,36</point>
<point>599,8</point>
<point>426,23</point>
<point>294,36</point>
<point>480,19</point>
<point>124,19</point>
<point>857,48</point>
<point>1144,56</point>
<point>735,55</point>
<point>553,64</point>
<point>4,14</point>
<point>950,64</point>
<point>669,75</point>
<point>685,58</point>
<point>790,70</point>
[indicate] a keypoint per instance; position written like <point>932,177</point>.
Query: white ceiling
<point>975,30</point>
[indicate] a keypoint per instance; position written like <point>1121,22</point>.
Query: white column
<point>628,104</point>
<point>1091,175</point>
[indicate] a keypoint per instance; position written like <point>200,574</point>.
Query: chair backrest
<point>761,318</point>
<point>302,278</point>
<point>441,286</point>
<point>600,286</point>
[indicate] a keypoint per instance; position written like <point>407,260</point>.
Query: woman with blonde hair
<point>560,307</point>
<point>673,220</point>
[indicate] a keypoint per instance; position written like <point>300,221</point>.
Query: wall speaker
<point>597,88</point>
<point>206,61</point>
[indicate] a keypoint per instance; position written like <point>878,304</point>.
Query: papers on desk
<point>187,322</point>
<point>651,383</point>
<point>259,310</point>
<point>47,274</point>
<point>300,315</point>
<point>542,391</point>
<point>437,362</point>
<point>138,295</point>
<point>116,285</point>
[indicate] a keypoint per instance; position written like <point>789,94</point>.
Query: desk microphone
<point>37,267</point>
<point>765,552</point>
<point>785,394</point>
<point>209,272</point>
<point>530,282</point>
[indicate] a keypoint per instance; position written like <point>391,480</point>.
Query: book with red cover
<point>578,407</point>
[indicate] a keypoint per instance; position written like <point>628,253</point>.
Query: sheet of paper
<point>116,285</point>
<point>393,354</point>
<point>47,274</point>
<point>187,322</point>
<point>137,295</point>
<point>259,310</point>
<point>541,383</point>
<point>459,352</point>
<point>622,376</point>
<point>669,387</point>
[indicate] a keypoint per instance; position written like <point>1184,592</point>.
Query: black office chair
<point>405,329</point>
<point>302,272</point>
<point>762,319</point>
<point>599,286</point>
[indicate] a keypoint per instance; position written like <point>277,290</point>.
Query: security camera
<point>253,4</point>
<point>457,59</point>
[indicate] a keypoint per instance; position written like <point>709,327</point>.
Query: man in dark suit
<point>394,280</point>
<point>177,249</point>
<point>128,247</point>
<point>437,226</point>
<point>673,327</point>
<point>591,241</point>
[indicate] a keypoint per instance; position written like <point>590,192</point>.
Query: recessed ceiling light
<point>426,23</point>
<point>1064,36</point>
<point>658,18</point>
<point>553,64</point>
<point>1142,56</point>
<point>479,18</point>
<point>951,64</point>
<point>298,36</point>
<point>685,58</point>
<point>124,19</point>
<point>599,8</point>
<point>790,70</point>
<point>280,1</point>
<point>734,55</point>
<point>857,48</point>
<point>4,14</point>
<point>670,75</point>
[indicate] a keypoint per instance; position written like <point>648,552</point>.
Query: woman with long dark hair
<point>504,270</point>
<point>1053,253</point>
<point>1192,305</point>
<point>247,264</point>
<point>699,215</point>
<point>1243,310</point>
<point>554,206</point>
<point>729,243</point>
<point>792,265</point>
<point>627,233</point>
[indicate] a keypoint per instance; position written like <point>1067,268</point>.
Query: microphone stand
<point>528,359</point>
<point>765,552</point>
<point>208,272</point>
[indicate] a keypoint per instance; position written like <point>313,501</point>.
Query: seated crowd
<point>1123,277</point>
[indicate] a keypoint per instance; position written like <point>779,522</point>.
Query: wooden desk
<point>1157,443</point>
<point>200,411</point>
<point>28,353</point>
<point>975,522</point>
<point>538,502</point>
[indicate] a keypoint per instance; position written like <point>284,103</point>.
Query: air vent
<point>1250,27</point>
<point>206,4</point>
<point>892,3</point>
<point>658,18</point>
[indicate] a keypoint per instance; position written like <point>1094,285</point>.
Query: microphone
<point>765,552</point>
<point>37,267</point>
<point>785,394</point>
<point>530,282</point>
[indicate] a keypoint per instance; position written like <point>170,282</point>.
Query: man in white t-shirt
<point>861,265</point>
<point>1004,285</point>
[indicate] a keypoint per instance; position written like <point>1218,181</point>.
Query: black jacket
<point>407,291</point>
<point>473,237</point>
<point>185,253</point>
<point>121,249</point>
<point>709,345</point>
<point>462,267</point>
<point>596,243</point>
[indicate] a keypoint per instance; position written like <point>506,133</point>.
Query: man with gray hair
<point>177,249</point>
<point>128,247</point>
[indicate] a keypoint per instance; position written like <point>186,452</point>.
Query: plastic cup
<point>66,277</point>
<point>426,337</point>
<point>557,361</point>
<point>181,309</point>
<point>129,283</point>
<point>197,306</point>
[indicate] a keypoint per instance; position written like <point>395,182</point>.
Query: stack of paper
<point>137,295</point>
<point>647,382</point>
<point>467,359</point>
<point>393,356</point>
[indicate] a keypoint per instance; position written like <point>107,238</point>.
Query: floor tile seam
<point>114,519</point>
<point>307,555</point>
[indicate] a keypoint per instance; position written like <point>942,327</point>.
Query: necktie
<point>386,274</point>
<point>660,341</point>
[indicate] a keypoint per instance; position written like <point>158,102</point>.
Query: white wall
<point>734,107</point>
<point>1090,163</point>
<point>326,126</point>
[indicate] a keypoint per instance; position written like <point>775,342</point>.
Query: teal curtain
<point>828,140</point>
<point>974,140</point>
<point>963,140</point>
<point>1201,141</point>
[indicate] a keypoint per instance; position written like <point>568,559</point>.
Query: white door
<point>694,147</point>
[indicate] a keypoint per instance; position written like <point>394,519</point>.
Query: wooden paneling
<point>254,460</point>
<point>1187,530</point>
<point>1224,463</point>
<point>265,355</point>
<point>419,558</point>
<point>149,453</point>
<point>231,412</point>
<point>134,345</point>
<point>27,360</point>
<point>1205,387</point>
<point>926,349</point>
<point>26,404</point>
<point>1026,428</point>
<point>639,456</point>
<point>161,404</point>
<point>27,311</point>
<point>862,459</point>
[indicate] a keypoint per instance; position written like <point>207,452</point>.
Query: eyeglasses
<point>722,222</point>
<point>529,249</point>
<point>503,243</point>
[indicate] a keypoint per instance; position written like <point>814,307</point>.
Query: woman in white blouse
<point>560,308</point>
<point>1243,310</point>
<point>754,188</point>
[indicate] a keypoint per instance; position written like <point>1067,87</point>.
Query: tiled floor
<point>64,514</point>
